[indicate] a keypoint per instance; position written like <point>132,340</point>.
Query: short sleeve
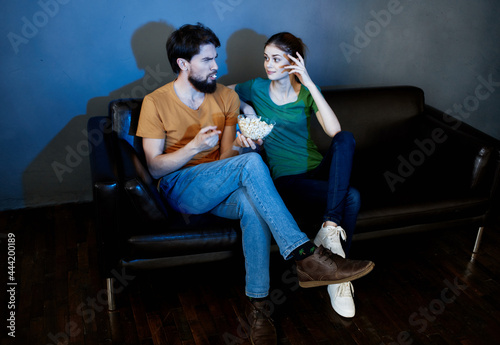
<point>150,124</point>
<point>244,90</point>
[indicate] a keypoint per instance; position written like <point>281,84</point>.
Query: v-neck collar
<point>178,99</point>
<point>268,94</point>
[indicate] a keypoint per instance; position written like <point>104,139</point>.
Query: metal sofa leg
<point>478,242</point>
<point>111,294</point>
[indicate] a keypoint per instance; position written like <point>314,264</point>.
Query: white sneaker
<point>329,237</point>
<point>340,294</point>
<point>341,297</point>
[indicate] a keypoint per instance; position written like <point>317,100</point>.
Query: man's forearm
<point>233,151</point>
<point>166,163</point>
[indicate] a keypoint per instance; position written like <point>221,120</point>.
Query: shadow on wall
<point>245,57</point>
<point>61,172</point>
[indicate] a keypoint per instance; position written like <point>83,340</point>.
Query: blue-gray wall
<point>63,60</point>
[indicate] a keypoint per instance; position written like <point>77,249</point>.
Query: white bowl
<point>255,127</point>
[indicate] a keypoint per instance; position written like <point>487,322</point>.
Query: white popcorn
<point>254,128</point>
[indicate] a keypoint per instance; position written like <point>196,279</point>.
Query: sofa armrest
<point>140,187</point>
<point>102,161</point>
<point>484,149</point>
<point>460,129</point>
<point>106,191</point>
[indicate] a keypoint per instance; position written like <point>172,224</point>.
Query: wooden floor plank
<point>409,296</point>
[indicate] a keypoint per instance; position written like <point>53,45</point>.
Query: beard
<point>205,86</point>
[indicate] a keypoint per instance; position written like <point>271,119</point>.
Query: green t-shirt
<point>289,147</point>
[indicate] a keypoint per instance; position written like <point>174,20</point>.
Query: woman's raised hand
<point>299,69</point>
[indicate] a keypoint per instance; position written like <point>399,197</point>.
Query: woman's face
<point>274,61</point>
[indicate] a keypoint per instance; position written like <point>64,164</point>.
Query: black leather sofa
<point>415,167</point>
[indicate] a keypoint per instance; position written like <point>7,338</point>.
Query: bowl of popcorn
<point>255,127</point>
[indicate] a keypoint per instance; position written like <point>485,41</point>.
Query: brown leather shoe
<point>262,331</point>
<point>325,268</point>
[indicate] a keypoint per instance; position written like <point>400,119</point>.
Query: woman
<point>290,98</point>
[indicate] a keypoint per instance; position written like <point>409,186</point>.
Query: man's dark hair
<point>186,41</point>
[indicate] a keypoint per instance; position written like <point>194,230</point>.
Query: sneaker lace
<point>345,290</point>
<point>335,232</point>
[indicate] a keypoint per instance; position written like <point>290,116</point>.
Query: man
<point>189,138</point>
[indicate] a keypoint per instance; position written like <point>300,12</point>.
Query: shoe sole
<point>316,283</point>
<point>344,315</point>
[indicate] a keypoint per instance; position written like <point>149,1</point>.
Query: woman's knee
<point>344,138</point>
<point>354,197</point>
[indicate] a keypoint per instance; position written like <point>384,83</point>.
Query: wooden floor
<point>424,290</point>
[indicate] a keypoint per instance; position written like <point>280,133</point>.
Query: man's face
<point>202,71</point>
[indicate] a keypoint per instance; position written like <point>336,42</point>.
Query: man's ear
<point>182,63</point>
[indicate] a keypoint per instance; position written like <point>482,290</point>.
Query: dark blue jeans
<point>329,183</point>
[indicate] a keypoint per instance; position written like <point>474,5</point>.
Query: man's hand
<point>206,138</point>
<point>160,163</point>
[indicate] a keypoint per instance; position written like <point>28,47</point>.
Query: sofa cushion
<point>189,235</point>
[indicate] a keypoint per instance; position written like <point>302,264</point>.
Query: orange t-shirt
<point>163,115</point>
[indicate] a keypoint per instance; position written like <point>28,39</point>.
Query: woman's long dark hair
<point>289,43</point>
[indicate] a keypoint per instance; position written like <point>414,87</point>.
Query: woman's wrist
<point>310,85</point>
<point>237,148</point>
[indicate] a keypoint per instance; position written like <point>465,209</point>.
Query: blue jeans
<point>329,183</point>
<point>239,188</point>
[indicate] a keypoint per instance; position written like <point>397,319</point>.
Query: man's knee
<point>254,160</point>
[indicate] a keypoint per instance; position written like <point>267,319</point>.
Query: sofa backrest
<point>372,113</point>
